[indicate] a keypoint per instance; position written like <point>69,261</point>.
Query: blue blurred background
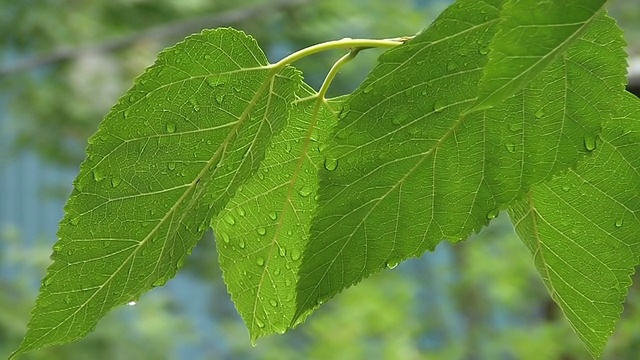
<point>64,63</point>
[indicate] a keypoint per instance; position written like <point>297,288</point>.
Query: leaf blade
<point>582,230</point>
<point>530,36</point>
<point>410,176</point>
<point>146,191</point>
<point>263,230</point>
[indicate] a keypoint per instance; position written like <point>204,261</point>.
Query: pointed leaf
<point>263,230</point>
<point>531,35</point>
<point>166,158</point>
<point>582,229</point>
<point>411,170</point>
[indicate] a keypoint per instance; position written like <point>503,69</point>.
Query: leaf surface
<point>166,158</point>
<point>582,229</point>
<point>263,230</point>
<point>531,36</point>
<point>407,170</point>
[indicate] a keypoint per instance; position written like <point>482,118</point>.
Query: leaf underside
<point>530,36</point>
<point>582,229</point>
<point>145,194</point>
<point>264,228</point>
<point>413,168</point>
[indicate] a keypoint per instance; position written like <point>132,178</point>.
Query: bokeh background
<point>63,63</point>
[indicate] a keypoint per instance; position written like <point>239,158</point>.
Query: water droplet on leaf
<point>540,113</point>
<point>171,127</point>
<point>438,107</point>
<point>261,231</point>
<point>260,261</point>
<point>492,214</point>
<point>590,143</point>
<point>273,215</point>
<point>98,175</point>
<point>295,254</point>
<point>304,191</point>
<point>229,219</point>
<point>330,164</point>
<point>273,303</point>
<point>171,166</point>
<point>511,148</point>
<point>131,303</point>
<point>115,181</point>
<point>619,222</point>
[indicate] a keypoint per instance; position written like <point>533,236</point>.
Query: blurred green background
<point>64,63</point>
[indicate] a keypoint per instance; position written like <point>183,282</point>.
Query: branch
<point>176,29</point>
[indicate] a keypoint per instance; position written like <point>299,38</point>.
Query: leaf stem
<point>346,43</point>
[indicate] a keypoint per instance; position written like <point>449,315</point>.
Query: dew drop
<point>171,128</point>
<point>57,246</point>
<point>260,261</point>
<point>565,187</point>
<point>241,244</point>
<point>304,191</point>
<point>131,303</point>
<point>229,219</point>
<point>207,56</point>
<point>287,282</point>
<point>282,252</point>
<point>126,113</point>
<point>540,113</point>
<point>98,175</point>
<point>261,231</point>
<point>590,143</point>
<point>483,51</point>
<point>171,166</point>
<point>276,272</point>
<point>273,303</point>
<point>392,264</point>
<point>194,105</point>
<point>515,127</point>
<point>273,215</point>
<point>368,89</point>
<point>438,107</point>
<point>330,164</point>
<point>511,148</point>
<point>116,181</point>
<point>259,323</point>
<point>619,222</point>
<point>240,211</point>
<point>492,214</point>
<point>225,238</point>
<point>295,254</point>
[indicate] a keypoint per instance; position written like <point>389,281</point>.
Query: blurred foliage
<point>478,300</point>
<point>128,333</point>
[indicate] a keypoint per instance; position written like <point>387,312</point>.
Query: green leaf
<point>408,170</point>
<point>582,229</point>
<point>531,35</point>
<point>264,228</point>
<point>205,111</point>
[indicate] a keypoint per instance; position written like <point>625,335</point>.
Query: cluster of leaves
<point>514,105</point>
